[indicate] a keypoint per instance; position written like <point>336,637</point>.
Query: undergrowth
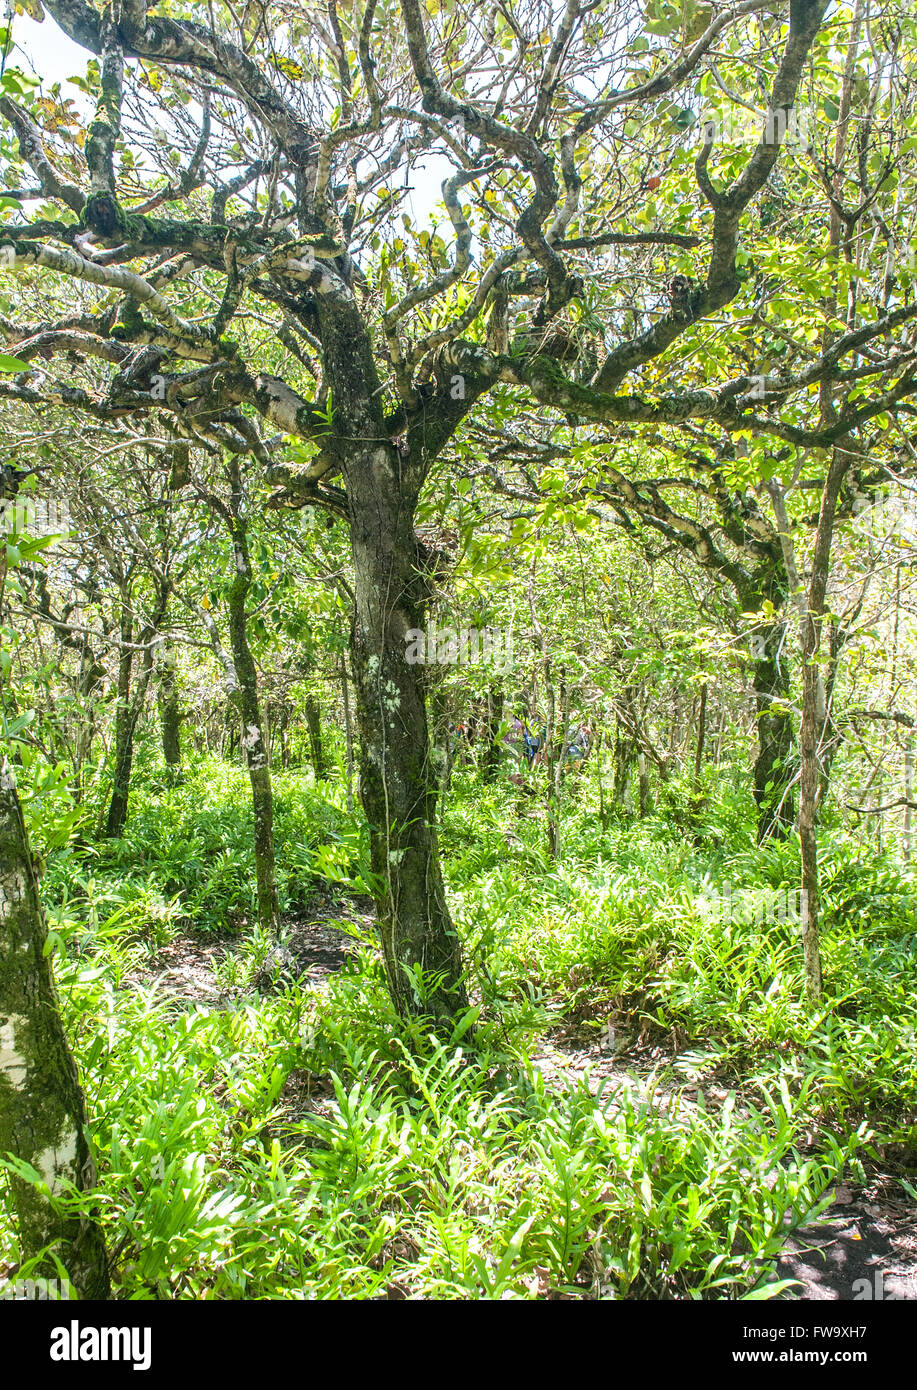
<point>308,1143</point>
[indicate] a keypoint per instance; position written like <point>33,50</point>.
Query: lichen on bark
<point>42,1110</point>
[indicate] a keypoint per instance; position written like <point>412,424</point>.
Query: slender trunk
<point>124,729</point>
<point>314,726</point>
<point>625,753</point>
<point>808,790</point>
<point>552,758</point>
<point>130,706</point>
<point>643,783</point>
<point>348,732</point>
<point>831,737</point>
<point>773,769</point>
<point>448,750</point>
<point>90,675</point>
<point>554,810</point>
<point>812,721</point>
<point>240,682</point>
<point>908,801</point>
<point>252,733</point>
<point>813,690</point>
<point>169,711</point>
<point>490,763</point>
<point>600,761</point>
<point>267,739</point>
<point>283,726</point>
<point>42,1110</point>
<point>701,733</point>
<point>880,798</point>
<point>420,947</point>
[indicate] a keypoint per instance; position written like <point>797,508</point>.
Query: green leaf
<point>13,364</point>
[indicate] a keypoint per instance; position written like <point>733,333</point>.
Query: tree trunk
<point>625,752</point>
<point>643,783</point>
<point>240,683</point>
<point>421,950</point>
<point>252,733</point>
<point>314,726</point>
<point>490,763</point>
<point>169,712</point>
<point>124,729</point>
<point>773,770</point>
<point>42,1111</point>
<point>701,735</point>
<point>348,732</point>
<point>908,841</point>
<point>559,767</point>
<point>130,706</point>
<point>392,587</point>
<point>814,704</point>
<point>813,718</point>
<point>90,675</point>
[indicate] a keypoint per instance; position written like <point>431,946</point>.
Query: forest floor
<point>863,1246</point>
<point>646,1107</point>
<point>869,1231</point>
<point>313,947</point>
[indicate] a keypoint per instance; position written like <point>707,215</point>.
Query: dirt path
<point>863,1248</point>
<point>313,947</point>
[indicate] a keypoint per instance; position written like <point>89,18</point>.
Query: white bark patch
<point>58,1161</point>
<point>283,404</point>
<point>15,889</point>
<point>7,775</point>
<point>12,1063</point>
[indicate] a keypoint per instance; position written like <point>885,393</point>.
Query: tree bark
<point>773,770</point>
<point>814,704</point>
<point>130,704</point>
<point>393,576</point>
<point>124,728</point>
<point>701,735</point>
<point>643,783</point>
<point>42,1110</point>
<point>240,683</point>
<point>316,748</point>
<point>170,712</point>
<point>493,753</point>
<point>625,753</point>
<point>908,838</point>
<point>397,783</point>
<point>248,704</point>
<point>348,732</point>
<point>812,721</point>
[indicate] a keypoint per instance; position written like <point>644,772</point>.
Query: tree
<point>42,1111</point>
<point>376,350</point>
<point>240,680</point>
